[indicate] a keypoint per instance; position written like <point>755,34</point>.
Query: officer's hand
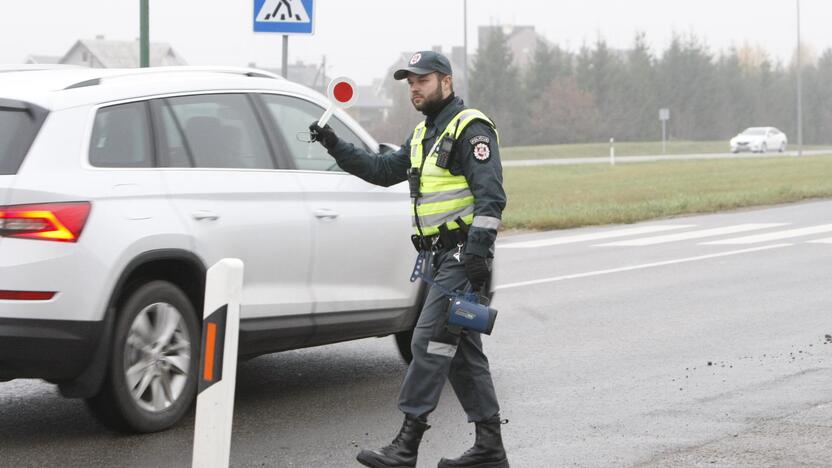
<point>325,136</point>
<point>477,270</point>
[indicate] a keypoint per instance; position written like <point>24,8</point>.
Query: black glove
<point>325,136</point>
<point>477,270</point>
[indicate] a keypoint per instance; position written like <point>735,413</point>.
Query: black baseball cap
<point>424,62</point>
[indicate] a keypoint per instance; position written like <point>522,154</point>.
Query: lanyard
<point>417,273</point>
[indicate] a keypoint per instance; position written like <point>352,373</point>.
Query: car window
<point>754,131</point>
<point>121,137</point>
<point>214,130</point>
<point>293,116</point>
<point>17,131</point>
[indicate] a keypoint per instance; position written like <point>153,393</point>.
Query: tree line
<point>599,93</point>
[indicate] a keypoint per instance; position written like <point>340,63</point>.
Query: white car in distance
<point>759,140</point>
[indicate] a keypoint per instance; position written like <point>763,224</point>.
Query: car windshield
<point>17,131</point>
<point>754,131</point>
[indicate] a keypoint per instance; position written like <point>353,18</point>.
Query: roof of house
<point>125,54</point>
<point>43,59</point>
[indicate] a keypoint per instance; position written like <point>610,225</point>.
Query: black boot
<point>487,452</point>
<point>402,451</point>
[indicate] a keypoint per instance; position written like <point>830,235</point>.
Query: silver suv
<point>119,188</point>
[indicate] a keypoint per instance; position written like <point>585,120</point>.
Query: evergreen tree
<point>495,87</point>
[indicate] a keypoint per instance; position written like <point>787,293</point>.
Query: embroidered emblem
<point>415,59</point>
<point>482,152</point>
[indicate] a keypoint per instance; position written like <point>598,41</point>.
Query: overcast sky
<point>361,38</point>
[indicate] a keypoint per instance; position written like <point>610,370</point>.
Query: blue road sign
<point>284,16</point>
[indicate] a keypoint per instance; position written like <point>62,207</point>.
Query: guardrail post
<point>218,364</point>
<point>612,151</point>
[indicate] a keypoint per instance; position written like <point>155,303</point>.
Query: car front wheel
<point>151,376</point>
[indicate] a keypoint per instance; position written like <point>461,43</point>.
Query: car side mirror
<point>384,148</point>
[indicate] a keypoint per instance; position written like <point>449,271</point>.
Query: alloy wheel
<point>157,357</point>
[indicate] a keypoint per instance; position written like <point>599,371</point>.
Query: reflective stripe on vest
<point>444,196</point>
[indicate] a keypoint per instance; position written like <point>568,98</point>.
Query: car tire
<point>763,149</point>
<point>782,148</point>
<point>152,374</point>
<point>403,340</point>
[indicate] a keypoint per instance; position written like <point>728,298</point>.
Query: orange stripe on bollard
<point>210,345</point>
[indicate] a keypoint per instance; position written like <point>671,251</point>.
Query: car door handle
<point>204,215</point>
<point>324,213</point>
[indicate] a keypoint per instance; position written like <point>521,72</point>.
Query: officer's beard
<point>432,103</point>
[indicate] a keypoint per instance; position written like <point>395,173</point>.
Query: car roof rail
<point>251,72</point>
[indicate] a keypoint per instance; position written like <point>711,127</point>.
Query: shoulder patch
<point>479,139</point>
<point>482,152</point>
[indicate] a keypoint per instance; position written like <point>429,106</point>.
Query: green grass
<point>558,197</point>
<point>585,150</point>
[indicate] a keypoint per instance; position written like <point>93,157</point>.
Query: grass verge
<point>588,150</point>
<point>559,197</point>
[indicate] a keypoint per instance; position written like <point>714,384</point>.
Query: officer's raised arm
<point>386,170</point>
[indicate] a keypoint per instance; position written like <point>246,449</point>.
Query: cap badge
<point>415,59</point>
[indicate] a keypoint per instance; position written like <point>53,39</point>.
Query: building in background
<point>522,41</point>
<point>43,60</point>
<point>372,106</point>
<point>106,53</point>
<point>308,74</point>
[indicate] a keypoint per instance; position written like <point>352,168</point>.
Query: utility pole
<point>144,33</point>
<point>285,67</point>
<point>465,45</point>
<point>799,89</point>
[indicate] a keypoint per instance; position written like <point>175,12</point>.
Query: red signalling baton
<point>342,93</point>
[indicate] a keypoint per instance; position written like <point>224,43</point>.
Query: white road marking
<point>593,236</point>
<point>636,267</point>
<point>691,235</point>
<point>828,240</point>
<point>778,235</point>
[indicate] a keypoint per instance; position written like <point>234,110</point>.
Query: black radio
<point>443,154</point>
<point>413,180</point>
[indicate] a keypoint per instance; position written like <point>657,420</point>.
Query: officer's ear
<point>447,83</point>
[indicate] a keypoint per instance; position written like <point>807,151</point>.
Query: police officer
<point>453,165</point>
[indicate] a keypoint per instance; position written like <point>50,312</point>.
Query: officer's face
<point>424,90</point>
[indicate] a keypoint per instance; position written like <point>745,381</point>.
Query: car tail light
<point>62,222</point>
<point>26,295</point>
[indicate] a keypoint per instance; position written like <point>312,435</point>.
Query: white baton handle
<point>327,115</point>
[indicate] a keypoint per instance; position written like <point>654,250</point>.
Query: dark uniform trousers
<point>438,354</point>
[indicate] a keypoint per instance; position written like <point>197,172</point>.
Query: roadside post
<point>285,17</point>
<point>612,151</point>
<point>664,116</point>
<point>342,93</point>
<point>218,364</point>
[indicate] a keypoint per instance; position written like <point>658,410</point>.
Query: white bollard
<point>218,364</point>
<point>612,151</point>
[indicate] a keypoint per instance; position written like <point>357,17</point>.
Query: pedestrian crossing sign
<point>284,16</point>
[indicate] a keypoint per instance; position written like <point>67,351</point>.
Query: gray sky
<point>361,38</point>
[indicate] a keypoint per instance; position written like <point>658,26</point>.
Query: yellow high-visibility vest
<point>444,196</point>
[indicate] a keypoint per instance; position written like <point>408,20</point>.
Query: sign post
<point>285,17</point>
<point>664,116</point>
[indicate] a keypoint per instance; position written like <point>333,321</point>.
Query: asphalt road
<point>652,158</point>
<point>695,341</point>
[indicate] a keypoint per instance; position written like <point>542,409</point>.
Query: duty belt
<point>445,240</point>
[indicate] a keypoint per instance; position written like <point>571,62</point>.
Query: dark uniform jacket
<point>482,170</point>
